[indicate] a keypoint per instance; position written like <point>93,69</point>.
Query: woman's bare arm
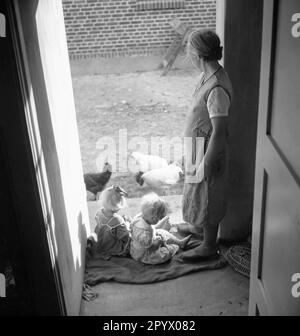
<point>216,144</point>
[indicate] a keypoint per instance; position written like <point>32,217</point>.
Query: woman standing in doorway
<point>204,195</point>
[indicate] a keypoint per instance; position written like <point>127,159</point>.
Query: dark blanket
<point>127,270</point>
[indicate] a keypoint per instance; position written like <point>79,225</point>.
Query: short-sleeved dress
<point>141,247</point>
<point>112,236</point>
<point>205,203</point>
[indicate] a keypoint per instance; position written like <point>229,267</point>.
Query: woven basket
<point>239,257</point>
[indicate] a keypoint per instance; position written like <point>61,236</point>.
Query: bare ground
<point>145,104</point>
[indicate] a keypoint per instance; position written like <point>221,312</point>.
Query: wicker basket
<point>239,257</point>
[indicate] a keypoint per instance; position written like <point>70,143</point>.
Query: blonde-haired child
<point>111,235</point>
<point>151,242</point>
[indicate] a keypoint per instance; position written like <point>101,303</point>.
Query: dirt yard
<point>145,104</point>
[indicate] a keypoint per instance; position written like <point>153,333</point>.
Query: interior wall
<point>242,54</point>
<point>43,28</point>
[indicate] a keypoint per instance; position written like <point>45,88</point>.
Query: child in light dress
<point>151,242</point>
<point>111,236</point>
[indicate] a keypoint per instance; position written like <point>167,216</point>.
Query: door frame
<point>39,195</point>
<point>259,303</point>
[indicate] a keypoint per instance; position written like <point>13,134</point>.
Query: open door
<point>276,222</point>
<point>40,145</point>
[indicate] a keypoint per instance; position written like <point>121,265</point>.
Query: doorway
<point>50,96</point>
<point>107,103</point>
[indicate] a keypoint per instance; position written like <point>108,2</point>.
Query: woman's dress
<point>205,202</point>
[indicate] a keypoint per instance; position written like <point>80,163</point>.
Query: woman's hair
<point>153,208</point>
<point>206,44</point>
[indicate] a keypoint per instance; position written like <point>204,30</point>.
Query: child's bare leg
<point>169,238</point>
<point>180,242</point>
<point>185,228</point>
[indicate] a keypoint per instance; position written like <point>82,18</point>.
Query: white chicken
<point>157,178</point>
<point>139,162</point>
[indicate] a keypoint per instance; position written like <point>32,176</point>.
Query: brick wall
<point>109,28</point>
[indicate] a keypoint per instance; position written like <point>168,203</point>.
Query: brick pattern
<point>159,4</point>
<point>110,28</point>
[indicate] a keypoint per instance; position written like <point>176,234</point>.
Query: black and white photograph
<point>149,161</point>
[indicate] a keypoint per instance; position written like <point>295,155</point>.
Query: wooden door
<point>276,221</point>
<point>51,122</point>
<point>40,140</point>
<point>22,221</point>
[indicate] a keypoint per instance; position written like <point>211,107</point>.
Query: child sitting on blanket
<point>151,242</point>
<point>111,236</point>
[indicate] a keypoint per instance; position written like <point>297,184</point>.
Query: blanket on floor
<point>127,270</point>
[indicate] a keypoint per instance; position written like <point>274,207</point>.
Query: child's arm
<point>91,242</point>
<point>120,231</point>
<point>92,238</point>
<point>127,222</point>
<point>163,224</point>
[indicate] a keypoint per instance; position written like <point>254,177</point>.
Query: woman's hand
<point>207,172</point>
<point>216,146</point>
